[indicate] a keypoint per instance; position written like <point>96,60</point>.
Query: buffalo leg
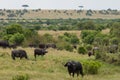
<point>73,74</point>
<point>77,73</point>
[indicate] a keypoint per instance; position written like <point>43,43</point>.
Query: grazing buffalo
<point>42,46</point>
<point>38,51</point>
<point>4,44</point>
<point>19,53</point>
<point>32,45</point>
<point>75,46</point>
<point>74,67</point>
<point>90,53</point>
<point>51,45</point>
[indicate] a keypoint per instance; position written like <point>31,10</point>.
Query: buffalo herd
<point>49,45</point>
<point>72,66</point>
<point>22,53</point>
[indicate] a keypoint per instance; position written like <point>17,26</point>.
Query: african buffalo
<point>19,53</point>
<point>90,53</point>
<point>74,46</point>
<point>32,45</point>
<point>51,45</point>
<point>42,46</point>
<point>38,51</point>
<point>4,44</point>
<point>74,67</point>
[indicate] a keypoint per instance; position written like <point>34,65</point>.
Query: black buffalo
<point>19,53</point>
<point>4,44</point>
<point>51,45</point>
<point>42,46</point>
<point>90,53</point>
<point>74,46</point>
<point>74,67</point>
<point>38,51</point>
<point>32,45</point>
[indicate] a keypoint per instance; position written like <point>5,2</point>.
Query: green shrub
<point>89,47</point>
<point>70,37</point>
<point>17,38</point>
<point>91,67</point>
<point>81,50</point>
<point>64,45</point>
<point>68,47</point>
<point>21,77</point>
<point>97,55</point>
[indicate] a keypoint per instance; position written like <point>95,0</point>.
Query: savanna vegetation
<point>92,33</point>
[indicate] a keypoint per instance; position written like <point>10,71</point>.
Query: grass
<point>50,67</point>
<point>57,33</point>
<point>106,31</point>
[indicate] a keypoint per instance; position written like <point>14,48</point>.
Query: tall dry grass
<point>57,33</point>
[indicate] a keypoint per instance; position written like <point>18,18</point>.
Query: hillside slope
<point>59,14</point>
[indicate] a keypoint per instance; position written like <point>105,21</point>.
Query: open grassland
<point>105,31</point>
<point>57,33</point>
<point>76,32</point>
<point>50,67</point>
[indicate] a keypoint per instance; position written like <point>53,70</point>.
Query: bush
<point>91,67</point>
<point>112,58</point>
<point>70,37</point>
<point>17,38</point>
<point>89,47</point>
<point>81,50</point>
<point>21,77</point>
<point>98,55</point>
<point>68,47</point>
<point>64,45</point>
<point>88,36</point>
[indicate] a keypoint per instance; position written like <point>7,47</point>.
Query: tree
<point>115,29</point>
<point>17,38</point>
<point>14,28</point>
<point>88,25</point>
<point>88,36</point>
<point>81,50</point>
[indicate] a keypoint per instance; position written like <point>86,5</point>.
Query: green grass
<point>50,67</point>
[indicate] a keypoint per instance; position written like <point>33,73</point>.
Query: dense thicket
<point>62,24</point>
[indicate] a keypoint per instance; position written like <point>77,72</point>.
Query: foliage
<point>114,40</point>
<point>14,28</point>
<point>81,50</point>
<point>46,38</point>
<point>88,47</point>
<point>115,29</point>
<point>91,66</point>
<point>101,39</point>
<point>69,37</point>
<point>21,77</point>
<point>28,33</point>
<point>88,25</point>
<point>17,38</point>
<point>88,36</point>
<point>61,45</point>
